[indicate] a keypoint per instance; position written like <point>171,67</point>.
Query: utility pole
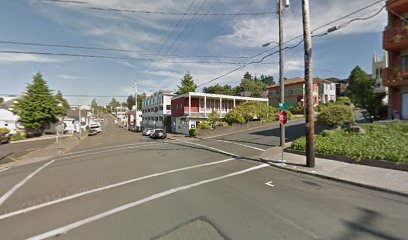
<point>309,125</point>
<point>281,67</point>
<point>135,121</point>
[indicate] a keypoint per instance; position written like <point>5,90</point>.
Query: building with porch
<point>187,110</point>
<point>395,41</point>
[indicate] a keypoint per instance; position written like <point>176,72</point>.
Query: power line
<point>162,12</point>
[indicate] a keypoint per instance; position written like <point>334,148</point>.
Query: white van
<point>97,126</point>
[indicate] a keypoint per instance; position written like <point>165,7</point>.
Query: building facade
<point>156,108</point>
<point>378,66</point>
<point>327,90</point>
<point>294,93</point>
<point>189,109</point>
<point>395,41</point>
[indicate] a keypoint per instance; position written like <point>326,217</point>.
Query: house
<point>341,86</point>
<point>294,92</point>
<point>74,115</point>
<point>9,120</point>
<point>395,41</point>
<point>188,110</point>
<point>377,68</point>
<point>156,108</point>
<point>327,90</point>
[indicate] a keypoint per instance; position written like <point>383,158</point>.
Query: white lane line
<point>29,209</point>
<point>270,184</point>
<point>214,149</point>
<point>240,144</point>
<point>65,229</point>
<point>13,189</point>
<point>115,146</point>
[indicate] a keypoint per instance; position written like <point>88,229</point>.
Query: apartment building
<point>395,41</point>
<point>156,108</point>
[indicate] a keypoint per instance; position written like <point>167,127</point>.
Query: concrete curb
<point>336,179</point>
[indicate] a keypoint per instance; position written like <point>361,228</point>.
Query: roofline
<point>198,94</point>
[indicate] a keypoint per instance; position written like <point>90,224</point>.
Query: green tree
<point>213,117</point>
<point>113,104</point>
<point>361,91</point>
<point>267,79</point>
<point>63,101</point>
<point>1,100</point>
<point>254,86</point>
<point>94,106</point>
<point>131,101</point>
<point>219,89</point>
<point>187,84</point>
<point>38,106</point>
<point>140,99</point>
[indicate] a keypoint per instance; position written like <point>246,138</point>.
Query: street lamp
<point>269,43</point>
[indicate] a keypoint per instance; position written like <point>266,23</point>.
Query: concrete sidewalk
<point>51,151</point>
<point>382,179</point>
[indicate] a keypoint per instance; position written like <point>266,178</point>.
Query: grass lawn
<point>386,141</point>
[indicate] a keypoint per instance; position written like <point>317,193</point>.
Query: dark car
<point>138,129</point>
<point>92,132</point>
<point>4,138</point>
<point>158,133</point>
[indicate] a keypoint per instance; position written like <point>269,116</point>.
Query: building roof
<point>8,104</point>
<point>219,96</point>
<point>291,81</point>
<point>7,115</point>
<point>337,80</point>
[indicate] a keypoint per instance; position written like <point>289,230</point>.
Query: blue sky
<point>148,35</point>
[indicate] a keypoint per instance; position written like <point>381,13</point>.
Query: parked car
<point>158,133</point>
<point>138,129</point>
<point>147,131</point>
<point>92,132</point>
<point>4,138</point>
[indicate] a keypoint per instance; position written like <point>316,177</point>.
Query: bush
<point>343,100</point>
<point>336,115</point>
<point>204,125</point>
<point>4,131</point>
<point>380,142</point>
<point>17,137</point>
<point>192,132</point>
<point>222,124</point>
<point>297,109</point>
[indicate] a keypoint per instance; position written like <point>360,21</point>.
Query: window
<point>168,107</point>
<point>404,63</point>
<point>331,87</point>
<point>291,92</point>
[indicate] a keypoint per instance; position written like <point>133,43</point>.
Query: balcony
<point>395,39</point>
<point>396,77</point>
<point>398,6</point>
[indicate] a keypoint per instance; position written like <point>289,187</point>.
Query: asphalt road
<point>11,151</point>
<point>120,185</point>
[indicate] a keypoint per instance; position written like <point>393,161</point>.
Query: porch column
<point>189,105</point>
<point>220,105</point>
<point>205,106</point>
<point>234,102</point>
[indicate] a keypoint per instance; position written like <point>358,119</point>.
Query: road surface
<point>121,185</point>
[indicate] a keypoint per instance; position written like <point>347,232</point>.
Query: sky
<point>158,49</point>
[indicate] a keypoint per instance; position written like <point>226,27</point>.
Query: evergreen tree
<point>131,101</point>
<point>219,89</point>
<point>94,106</point>
<point>63,101</point>
<point>38,106</point>
<point>187,84</point>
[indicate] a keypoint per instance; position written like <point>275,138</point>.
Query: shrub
<point>17,137</point>
<point>192,132</point>
<point>4,131</point>
<point>343,100</point>
<point>336,115</point>
<point>297,109</point>
<point>222,124</point>
<point>213,117</point>
<point>204,125</point>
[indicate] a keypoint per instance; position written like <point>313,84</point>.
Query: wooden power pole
<point>309,125</point>
<point>281,70</point>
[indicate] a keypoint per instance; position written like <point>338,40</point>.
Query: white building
<point>376,73</point>
<point>189,109</point>
<point>156,108</point>
<point>8,120</point>
<point>327,90</point>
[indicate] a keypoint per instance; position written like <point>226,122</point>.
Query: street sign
<point>283,107</point>
<point>283,117</point>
